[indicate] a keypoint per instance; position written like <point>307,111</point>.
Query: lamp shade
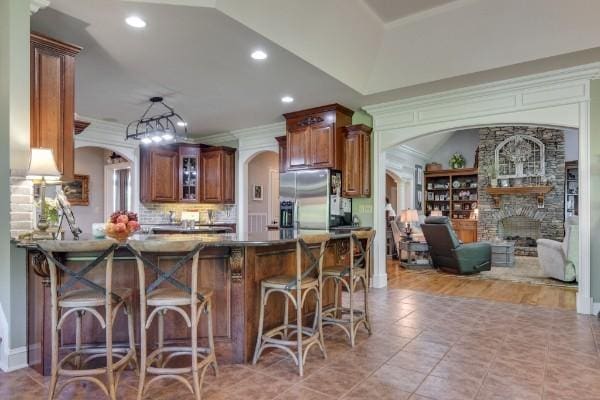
<point>42,165</point>
<point>409,215</point>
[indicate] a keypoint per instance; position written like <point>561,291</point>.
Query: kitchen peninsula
<point>231,264</point>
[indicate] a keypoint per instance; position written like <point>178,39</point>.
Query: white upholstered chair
<point>559,260</point>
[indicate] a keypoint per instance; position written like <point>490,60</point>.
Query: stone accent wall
<point>22,212</point>
<point>551,216</point>
<point>158,213</point>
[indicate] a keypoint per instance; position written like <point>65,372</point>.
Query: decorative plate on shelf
<point>456,184</point>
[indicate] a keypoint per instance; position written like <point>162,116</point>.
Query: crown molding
<point>404,152</point>
<point>259,137</point>
<point>582,72</point>
<point>215,139</point>
<point>36,5</point>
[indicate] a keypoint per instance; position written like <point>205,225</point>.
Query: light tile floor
<point>424,347</point>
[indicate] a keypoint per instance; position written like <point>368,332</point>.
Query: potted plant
<point>457,161</point>
<point>51,206</point>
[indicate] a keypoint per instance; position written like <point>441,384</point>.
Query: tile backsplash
<point>158,213</point>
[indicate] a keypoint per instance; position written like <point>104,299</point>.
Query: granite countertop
<point>266,238</point>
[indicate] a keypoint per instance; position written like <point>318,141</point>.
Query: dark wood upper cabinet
<point>298,148</point>
<point>315,137</point>
<point>189,173</point>
<point>159,181</point>
<point>356,171</point>
<point>52,99</point>
<point>282,142</point>
<point>217,172</point>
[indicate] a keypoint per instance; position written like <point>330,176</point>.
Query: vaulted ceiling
<point>355,52</point>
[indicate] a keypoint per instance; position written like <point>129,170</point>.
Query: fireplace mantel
<point>538,191</point>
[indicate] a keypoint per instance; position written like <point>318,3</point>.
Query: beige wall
<point>90,161</point>
<point>258,174</point>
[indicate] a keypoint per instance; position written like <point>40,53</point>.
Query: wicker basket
<point>433,167</point>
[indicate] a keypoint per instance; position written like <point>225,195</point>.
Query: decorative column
<point>379,223</point>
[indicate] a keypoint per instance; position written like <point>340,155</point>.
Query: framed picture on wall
<point>419,187</point>
<point>257,191</point>
<point>77,191</point>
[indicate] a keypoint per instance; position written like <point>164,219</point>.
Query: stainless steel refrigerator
<point>311,199</point>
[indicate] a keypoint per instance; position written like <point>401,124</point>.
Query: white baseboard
<point>595,308</point>
<point>379,281</point>
<point>584,304</point>
<point>15,359</point>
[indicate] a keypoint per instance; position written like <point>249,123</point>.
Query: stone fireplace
<point>518,216</point>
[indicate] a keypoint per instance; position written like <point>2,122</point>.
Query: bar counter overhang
<point>232,265</point>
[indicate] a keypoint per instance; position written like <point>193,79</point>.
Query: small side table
<point>411,248</point>
<point>503,254</point>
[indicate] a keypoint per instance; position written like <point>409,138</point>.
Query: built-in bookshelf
<point>571,188</point>
<point>454,192</point>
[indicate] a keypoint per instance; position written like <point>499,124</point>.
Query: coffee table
<point>421,260</point>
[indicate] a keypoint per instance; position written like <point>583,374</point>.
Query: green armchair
<point>449,254</point>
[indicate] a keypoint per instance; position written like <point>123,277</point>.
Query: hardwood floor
<point>431,281</point>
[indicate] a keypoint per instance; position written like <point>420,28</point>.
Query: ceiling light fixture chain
<point>157,127</point>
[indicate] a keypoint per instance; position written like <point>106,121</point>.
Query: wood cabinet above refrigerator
<point>315,137</point>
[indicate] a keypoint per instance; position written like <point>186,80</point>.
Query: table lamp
<point>409,216</point>
<point>42,168</point>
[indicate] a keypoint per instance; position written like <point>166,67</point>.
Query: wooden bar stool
<point>72,299</point>
<point>165,294</point>
<point>357,271</point>
<point>296,336</point>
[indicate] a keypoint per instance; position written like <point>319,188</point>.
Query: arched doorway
<point>262,191</point>
<point>108,185</point>
<point>557,99</point>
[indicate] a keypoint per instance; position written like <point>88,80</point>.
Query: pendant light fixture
<point>157,127</point>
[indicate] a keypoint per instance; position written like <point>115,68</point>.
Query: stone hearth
<point>519,214</point>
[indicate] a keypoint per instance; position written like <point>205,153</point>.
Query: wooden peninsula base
<point>233,268</point>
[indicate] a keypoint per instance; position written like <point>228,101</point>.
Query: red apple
<point>120,227</point>
<point>133,226</point>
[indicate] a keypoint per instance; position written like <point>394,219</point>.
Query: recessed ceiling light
<point>181,123</point>
<point>135,21</point>
<point>287,99</point>
<point>259,55</point>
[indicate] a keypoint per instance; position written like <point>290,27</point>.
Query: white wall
<point>258,174</point>
<point>90,161</point>
<point>571,144</point>
<point>464,142</point>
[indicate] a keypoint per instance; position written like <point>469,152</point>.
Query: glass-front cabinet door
<point>188,170</point>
